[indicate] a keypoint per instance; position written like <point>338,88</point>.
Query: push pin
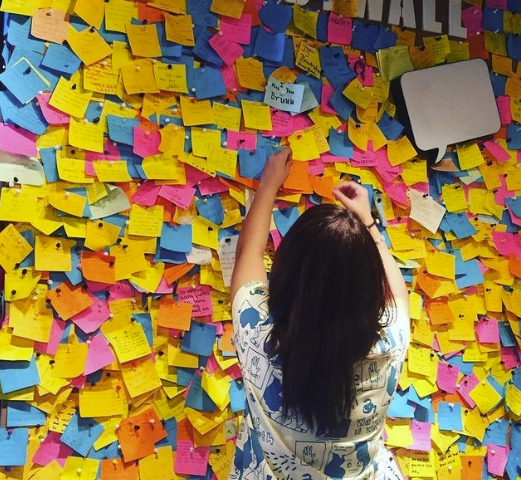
<point>78,471</point>
<point>151,421</point>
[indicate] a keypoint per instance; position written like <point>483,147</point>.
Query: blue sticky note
<point>386,38</point>
<point>339,144</point>
<point>27,116</point>
<point>74,275</point>
<point>315,84</point>
<point>145,320</point>
<point>498,83</point>
<point>22,414</point>
<point>390,127</point>
<point>61,58</point>
<point>449,416</point>
<point>200,12</point>
<point>19,33</point>
<point>208,82</point>
<point>460,225</point>
<point>288,58</point>
<point>333,61</point>
<point>210,207</point>
<point>23,81</point>
<point>322,24</point>
<point>203,49</point>
<point>121,129</point>
<point>29,260</point>
<point>168,49</point>
<point>276,16</point>
<point>177,238</point>
<point>110,451</point>
<point>111,36</point>
<point>81,433</point>
<point>13,447</point>
<point>506,335</point>
<point>493,20</point>
<point>197,398</point>
<point>269,46</point>
<point>514,136</point>
<point>513,466</point>
<point>248,49</point>
<point>199,339</point>
<point>514,46</point>
<point>18,375</point>
<point>464,367</point>
<point>171,434</point>
<point>285,218</point>
<point>168,256</point>
<point>343,107</point>
<point>515,205</point>
<point>184,376</point>
<point>497,433</point>
<point>400,407</point>
<point>467,273</point>
<point>237,396</point>
<point>364,36</point>
<point>252,162</point>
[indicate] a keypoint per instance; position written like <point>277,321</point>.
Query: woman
<point>321,349</point>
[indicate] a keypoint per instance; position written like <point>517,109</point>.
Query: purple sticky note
<point>421,434</point>
<point>472,19</point>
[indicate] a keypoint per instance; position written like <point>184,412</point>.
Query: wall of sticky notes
<point>145,127</point>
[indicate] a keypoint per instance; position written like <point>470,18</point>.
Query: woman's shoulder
<point>251,301</point>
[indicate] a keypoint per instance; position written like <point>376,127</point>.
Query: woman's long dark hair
<point>328,290</point>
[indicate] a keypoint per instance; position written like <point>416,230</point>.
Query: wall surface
<point>133,136</point>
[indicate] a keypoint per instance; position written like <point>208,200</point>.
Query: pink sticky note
<point>236,29</point>
<point>496,459</point>
<point>389,174</point>
<point>507,243</point>
<point>209,186</point>
<point>211,365</point>
<point>497,151</point>
<point>234,371</point>
<point>421,434</point>
<point>99,354</point>
<point>17,140</point>
<point>316,167</point>
<point>397,192</point>
<point>190,460</point>
<point>121,290</point>
<point>363,72</point>
<point>472,19</point>
<point>199,297</point>
<point>51,449</point>
<point>328,158</point>
<point>327,93</point>
<point>502,4</point>
<point>110,152</point>
<point>487,331</point>
<point>237,140</point>
<point>79,382</point>
<point>227,50</point>
<point>510,356</point>
<point>364,159</point>
<point>301,122</point>
<point>503,105</point>
<point>230,79</point>
<point>466,385</point>
<point>146,143</point>
<point>282,124</point>
<point>339,29</point>
<point>447,377</point>
<point>163,288</point>
<point>51,114</point>
<point>194,176</point>
<point>51,347</point>
<point>179,195</point>
<point>146,194</point>
<point>92,317</point>
<point>276,237</point>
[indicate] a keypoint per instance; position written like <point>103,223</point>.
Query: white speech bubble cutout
<point>21,169</point>
<point>449,104</point>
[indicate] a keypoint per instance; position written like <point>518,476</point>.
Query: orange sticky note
<point>68,301</point>
<point>174,314</point>
<point>175,272</point>
<point>98,268</point>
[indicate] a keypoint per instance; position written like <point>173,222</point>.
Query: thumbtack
<point>156,450</point>
<point>9,431</point>
<point>493,452</point>
<point>78,471</point>
<point>114,462</point>
<point>451,405</point>
<point>192,89</point>
<point>151,421</point>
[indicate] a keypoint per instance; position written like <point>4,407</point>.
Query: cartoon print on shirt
<point>347,460</point>
<point>310,453</point>
<point>392,380</point>
<point>258,366</point>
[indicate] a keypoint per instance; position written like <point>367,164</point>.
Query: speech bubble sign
<point>20,169</point>
<point>450,104</point>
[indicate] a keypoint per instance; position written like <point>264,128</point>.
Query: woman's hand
<point>277,169</point>
<point>354,197</point>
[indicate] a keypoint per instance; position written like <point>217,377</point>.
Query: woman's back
<point>285,446</point>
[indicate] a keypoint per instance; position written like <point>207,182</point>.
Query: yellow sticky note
<point>440,47</point>
<point>358,133</point>
<point>91,11</point>
<point>469,156</point>
<point>250,73</point>
<point>139,77</point>
<point>454,197</point>
<point>421,464</point>
<point>398,433</point>
<point>119,13</point>
<point>100,234</point>
<point>14,348</point>
<point>72,170</point>
<point>49,471</point>
<point>172,140</point>
<point>229,8</point>
<point>223,160</point>
<point>305,20</point>
<point>13,247</point>
<point>86,135</point>
<point>88,44</point>
<point>358,93</point>
<point>256,115</point>
<point>161,167</point>
<point>129,342</point>
<point>20,7</point>
<point>399,151</point>
<point>39,328</point>
<point>111,171</point>
<point>17,205</point>
<point>203,139</point>
<point>149,278</point>
<point>140,377</point>
<point>20,283</point>
<point>485,396</point>
<point>226,116</point>
<point>78,468</point>
<point>100,77</point>
<point>70,360</point>
<point>146,221</point>
<point>171,77</point>
<point>205,233</point>
<point>303,145</point>
<point>414,171</point>
<point>179,29</point>
<point>143,40</point>
<point>441,264</point>
<point>68,98</point>
<point>308,59</point>
<point>158,465</point>
<point>196,112</point>
<point>53,254</point>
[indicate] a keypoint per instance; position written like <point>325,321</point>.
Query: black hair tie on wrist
<point>371,225</point>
